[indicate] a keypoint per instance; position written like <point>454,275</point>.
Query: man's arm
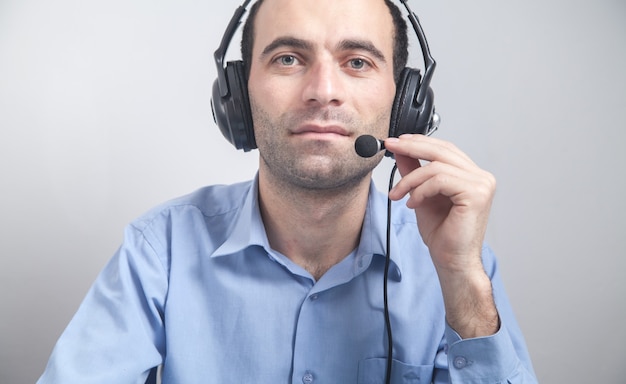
<point>452,197</point>
<point>502,357</point>
<point>116,335</point>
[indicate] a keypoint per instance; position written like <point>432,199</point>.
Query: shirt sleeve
<point>116,336</point>
<point>499,358</point>
<point>491,359</point>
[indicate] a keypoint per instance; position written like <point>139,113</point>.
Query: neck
<point>316,229</point>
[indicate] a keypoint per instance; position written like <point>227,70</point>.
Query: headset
<point>413,107</point>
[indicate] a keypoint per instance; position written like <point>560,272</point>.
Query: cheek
<point>373,96</point>
<point>266,108</point>
<point>377,104</point>
<point>269,106</point>
<point>269,89</point>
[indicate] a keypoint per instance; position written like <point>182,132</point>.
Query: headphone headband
<point>429,62</point>
<point>220,53</point>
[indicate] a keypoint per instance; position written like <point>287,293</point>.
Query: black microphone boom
<point>368,145</point>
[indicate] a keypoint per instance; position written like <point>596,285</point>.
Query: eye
<point>287,60</point>
<point>357,63</point>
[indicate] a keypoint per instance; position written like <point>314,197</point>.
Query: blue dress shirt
<point>195,287</point>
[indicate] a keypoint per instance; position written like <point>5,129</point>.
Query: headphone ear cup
<point>398,103</point>
<point>232,112</point>
<point>406,115</point>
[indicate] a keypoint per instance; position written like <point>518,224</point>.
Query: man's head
<point>400,50</point>
<point>320,73</point>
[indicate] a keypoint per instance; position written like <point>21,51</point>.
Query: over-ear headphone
<point>413,108</point>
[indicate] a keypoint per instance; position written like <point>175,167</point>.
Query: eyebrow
<point>361,45</point>
<point>291,42</point>
<point>344,45</point>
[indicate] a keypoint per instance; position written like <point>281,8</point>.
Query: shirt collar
<point>249,230</point>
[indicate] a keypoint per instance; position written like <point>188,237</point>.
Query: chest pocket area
<point>372,371</point>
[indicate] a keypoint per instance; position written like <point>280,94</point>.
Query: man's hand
<point>452,198</point>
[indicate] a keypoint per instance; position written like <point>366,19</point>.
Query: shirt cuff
<point>482,359</point>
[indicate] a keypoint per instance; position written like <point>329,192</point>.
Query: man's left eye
<point>357,63</point>
<point>287,60</point>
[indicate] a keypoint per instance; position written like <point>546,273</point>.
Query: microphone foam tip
<point>367,145</point>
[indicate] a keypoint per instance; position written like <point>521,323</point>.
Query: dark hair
<point>400,38</point>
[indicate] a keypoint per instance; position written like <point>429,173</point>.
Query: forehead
<point>325,22</point>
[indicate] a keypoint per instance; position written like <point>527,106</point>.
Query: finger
<point>429,149</point>
<point>446,180</point>
<point>414,179</point>
<point>448,186</point>
<point>406,164</point>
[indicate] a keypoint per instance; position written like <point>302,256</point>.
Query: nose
<point>324,84</point>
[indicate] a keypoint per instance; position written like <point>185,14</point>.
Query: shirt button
<point>314,296</point>
<point>460,362</point>
<point>307,378</point>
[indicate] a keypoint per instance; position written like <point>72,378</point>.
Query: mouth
<point>321,131</point>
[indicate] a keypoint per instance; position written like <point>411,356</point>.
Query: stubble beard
<point>318,166</point>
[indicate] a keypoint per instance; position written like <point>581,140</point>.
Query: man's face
<point>321,75</point>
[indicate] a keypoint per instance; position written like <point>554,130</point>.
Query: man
<point>280,279</point>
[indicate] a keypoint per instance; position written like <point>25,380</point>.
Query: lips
<point>321,129</point>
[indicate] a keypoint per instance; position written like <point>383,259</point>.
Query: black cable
<point>385,280</point>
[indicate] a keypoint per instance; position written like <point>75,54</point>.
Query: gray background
<point>104,112</point>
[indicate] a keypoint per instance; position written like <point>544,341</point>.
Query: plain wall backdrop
<point>104,112</point>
